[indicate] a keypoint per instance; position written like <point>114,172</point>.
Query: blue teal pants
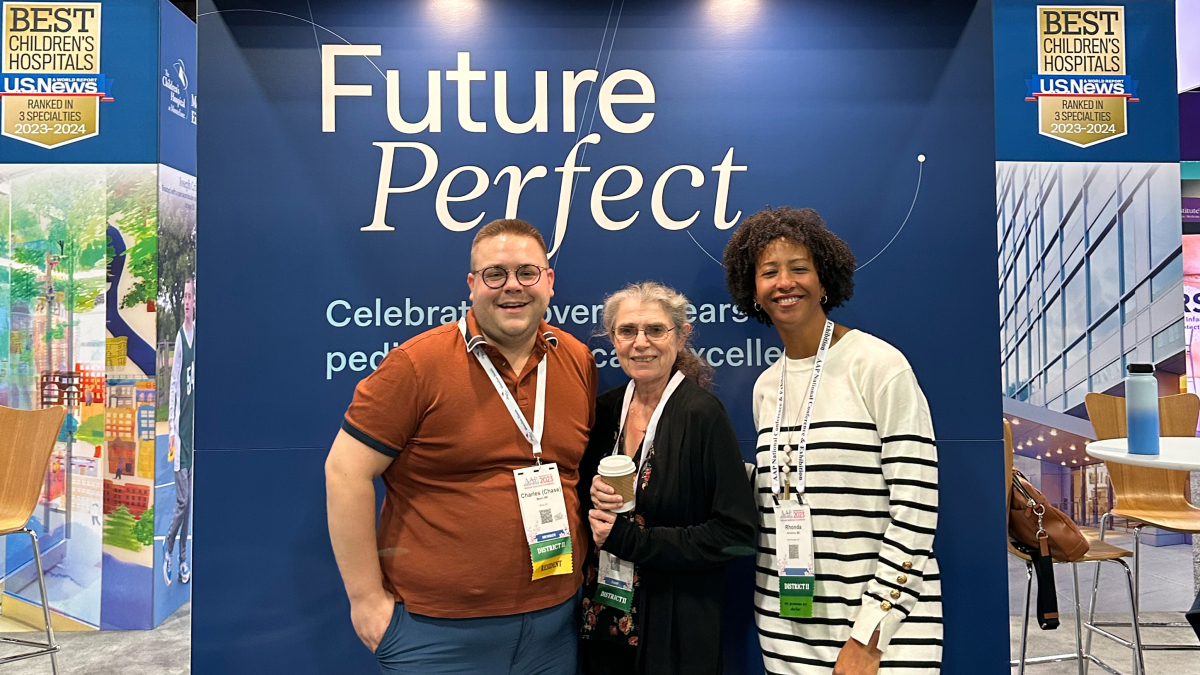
<point>533,643</point>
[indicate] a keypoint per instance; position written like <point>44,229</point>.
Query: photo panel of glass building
<point>1090,261</point>
<point>1091,275</point>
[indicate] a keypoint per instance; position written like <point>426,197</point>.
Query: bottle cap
<point>1140,368</point>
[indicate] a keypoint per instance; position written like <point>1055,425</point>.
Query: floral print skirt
<point>600,622</point>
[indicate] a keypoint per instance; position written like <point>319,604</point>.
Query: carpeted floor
<point>1166,591</point>
<point>166,650</point>
<point>1062,640</point>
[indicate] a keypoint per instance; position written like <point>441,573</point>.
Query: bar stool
<point>26,440</point>
<point>1144,495</point>
<point>1098,552</point>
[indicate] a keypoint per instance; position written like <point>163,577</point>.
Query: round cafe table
<point>1182,453</point>
<point>1174,452</point>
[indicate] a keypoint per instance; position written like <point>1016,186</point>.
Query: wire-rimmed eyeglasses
<point>655,332</point>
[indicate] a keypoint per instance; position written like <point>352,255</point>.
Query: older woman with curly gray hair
<point>654,580</point>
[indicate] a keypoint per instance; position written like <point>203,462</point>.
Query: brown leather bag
<point>1031,519</point>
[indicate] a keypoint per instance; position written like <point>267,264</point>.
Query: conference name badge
<point>50,72</point>
<point>1081,86</point>
<point>615,587</point>
<point>544,514</point>
<point>794,557</point>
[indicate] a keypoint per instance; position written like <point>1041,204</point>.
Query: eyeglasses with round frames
<point>654,332</point>
<point>496,276</point>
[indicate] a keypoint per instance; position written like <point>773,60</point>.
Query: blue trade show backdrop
<point>341,187</point>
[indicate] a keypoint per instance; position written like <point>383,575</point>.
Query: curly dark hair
<point>834,262</point>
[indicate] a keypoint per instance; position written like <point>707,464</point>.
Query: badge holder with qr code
<point>544,513</point>
<point>794,557</point>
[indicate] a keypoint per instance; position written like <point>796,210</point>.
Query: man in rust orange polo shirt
<point>477,429</point>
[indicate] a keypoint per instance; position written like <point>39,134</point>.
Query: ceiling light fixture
<point>1054,432</point>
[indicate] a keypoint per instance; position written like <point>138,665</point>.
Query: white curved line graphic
<point>920,170</point>
<point>298,18</point>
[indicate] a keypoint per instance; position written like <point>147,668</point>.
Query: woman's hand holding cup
<point>616,475</point>
<point>604,497</point>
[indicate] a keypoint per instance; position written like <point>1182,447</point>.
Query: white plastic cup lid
<point>616,465</point>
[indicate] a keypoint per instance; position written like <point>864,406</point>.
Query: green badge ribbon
<point>544,550</point>
<point>551,557</point>
<point>796,597</point>
<point>616,598</point>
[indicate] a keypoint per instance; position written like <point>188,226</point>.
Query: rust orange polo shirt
<point>451,541</point>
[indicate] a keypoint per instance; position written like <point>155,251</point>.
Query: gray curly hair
<point>675,305</point>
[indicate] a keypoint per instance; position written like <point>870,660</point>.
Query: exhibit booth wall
<point>1187,23</point>
<point>97,241</point>
<point>1091,256</point>
<point>338,212</point>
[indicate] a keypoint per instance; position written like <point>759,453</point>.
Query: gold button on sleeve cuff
<point>902,579</point>
<point>895,595</point>
<point>885,605</point>
<point>907,565</point>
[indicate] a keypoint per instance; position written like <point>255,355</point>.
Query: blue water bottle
<point>1141,409</point>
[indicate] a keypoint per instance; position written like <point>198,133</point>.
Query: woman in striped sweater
<point>846,461</point>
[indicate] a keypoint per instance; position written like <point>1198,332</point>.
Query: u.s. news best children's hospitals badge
<point>50,81</point>
<point>1081,87</point>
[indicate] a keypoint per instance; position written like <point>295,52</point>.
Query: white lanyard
<point>652,429</point>
<point>818,366</point>
<point>534,435</point>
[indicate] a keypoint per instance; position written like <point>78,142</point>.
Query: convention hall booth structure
<point>348,152</point>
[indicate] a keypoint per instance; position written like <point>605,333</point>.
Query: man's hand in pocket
<point>372,616</point>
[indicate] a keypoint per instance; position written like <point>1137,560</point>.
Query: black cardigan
<point>700,513</point>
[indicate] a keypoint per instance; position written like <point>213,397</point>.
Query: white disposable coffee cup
<point>619,472</point>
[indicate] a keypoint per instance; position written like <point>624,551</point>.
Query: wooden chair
<point>1145,495</point>
<point>26,440</point>
<point>1098,552</point>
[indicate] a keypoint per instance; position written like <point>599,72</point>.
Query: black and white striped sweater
<point>872,485</point>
